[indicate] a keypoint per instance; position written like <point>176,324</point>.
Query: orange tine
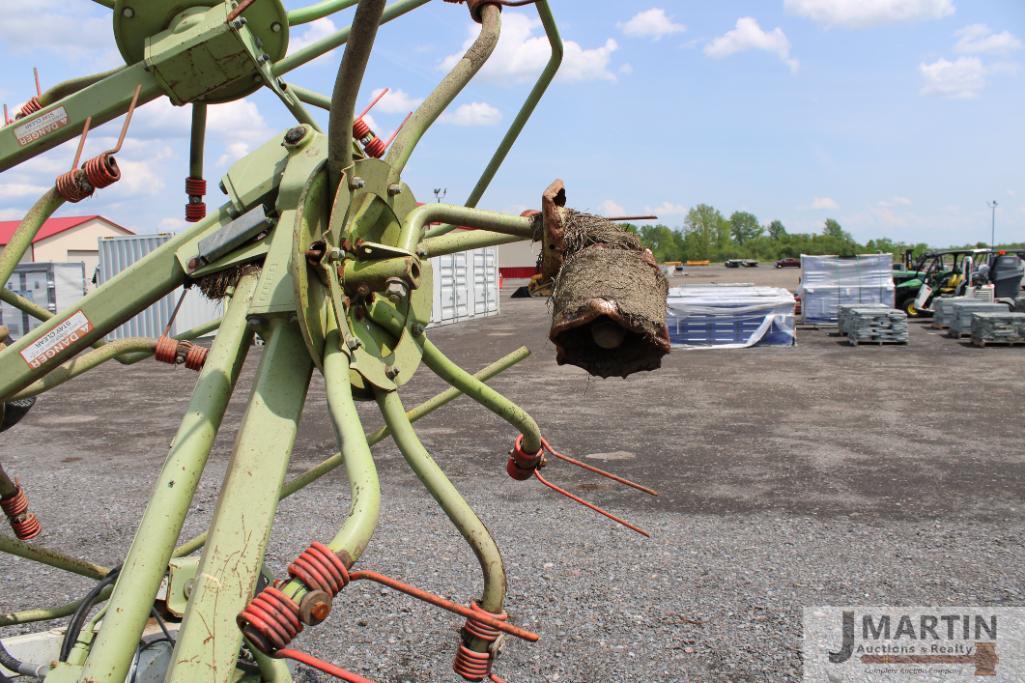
<point>592,468</point>
<point>373,102</point>
<point>128,121</point>
<point>81,143</point>
<point>392,138</point>
<point>592,506</point>
<point>35,74</point>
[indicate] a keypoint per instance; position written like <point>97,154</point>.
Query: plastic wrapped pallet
<point>843,312</point>
<point>998,328</point>
<point>876,325</point>
<point>730,316</point>
<point>943,310</point>
<point>827,282</point>
<point>961,315</point>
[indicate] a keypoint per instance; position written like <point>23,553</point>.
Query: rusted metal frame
<point>346,88</point>
<point>463,240</point>
<point>106,307</point>
<point>522,116</point>
<point>318,10</point>
<point>328,43</point>
<point>53,558</point>
<point>454,505</point>
<point>146,562</point>
<point>27,230</point>
<point>209,640</point>
<point>446,91</point>
<point>413,226</point>
<point>330,464</point>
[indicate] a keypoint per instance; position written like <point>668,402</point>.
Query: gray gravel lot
<point>818,475</point>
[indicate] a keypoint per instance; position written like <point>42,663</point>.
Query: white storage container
<point>828,282</point>
<point>117,254</point>
<point>465,286</point>
<point>54,286</point>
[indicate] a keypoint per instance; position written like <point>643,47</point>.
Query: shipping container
<point>54,286</point>
<point>117,254</point>
<point>465,286</point>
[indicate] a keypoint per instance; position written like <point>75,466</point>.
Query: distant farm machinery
<point>322,251</point>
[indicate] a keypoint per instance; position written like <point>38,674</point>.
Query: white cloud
<point>523,51</point>
<point>980,39</point>
<point>611,208</point>
<point>73,30</point>
<point>863,13</point>
<point>894,202</point>
<point>314,31</point>
<point>396,102</point>
<point>232,153</point>
<point>11,214</point>
<point>667,209</point>
<point>824,203</point>
<point>172,224</point>
<point>748,35</point>
<point>16,190</point>
<point>473,114</point>
<point>626,69</point>
<point>962,79</point>
<point>652,23</point>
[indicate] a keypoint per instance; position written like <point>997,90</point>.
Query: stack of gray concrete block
<point>961,315</point>
<point>943,311</point>
<point>843,312</point>
<point>877,326</point>
<point>1003,328</point>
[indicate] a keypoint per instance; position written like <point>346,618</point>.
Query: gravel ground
<point>818,475</point>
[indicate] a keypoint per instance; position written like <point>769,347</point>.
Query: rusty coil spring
<point>102,171</point>
<point>30,107</point>
<point>320,569</point>
<point>361,129</point>
<point>174,351</point>
<point>521,465</point>
<point>375,148</point>
<point>270,620</point>
<point>195,188</point>
<point>24,523</point>
<point>476,666</point>
<point>73,186</point>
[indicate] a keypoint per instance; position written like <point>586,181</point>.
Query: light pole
<point>439,193</point>
<point>993,225</point>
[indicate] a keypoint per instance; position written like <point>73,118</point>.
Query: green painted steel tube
<point>87,361</point>
<point>231,564</point>
<point>330,464</point>
<point>27,230</point>
<point>53,558</point>
<point>352,539</point>
<point>62,120</point>
<point>413,227</point>
<point>446,91</point>
<point>318,11</point>
<point>462,240</point>
<point>346,89</point>
<point>8,487</point>
<point>106,3</point>
<point>443,491</point>
<point>197,136</point>
<point>161,523</point>
<point>328,43</point>
<point>46,614</point>
<point>483,394</point>
<point>23,304</point>
<point>103,309</point>
<point>73,85</point>
<point>311,97</point>
<point>524,114</point>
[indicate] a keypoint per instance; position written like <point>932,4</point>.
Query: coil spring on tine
<point>29,108</point>
<point>196,357</point>
<point>102,171</point>
<point>73,186</point>
<point>471,665</point>
<point>320,569</point>
<point>270,620</point>
<point>375,148</point>
<point>360,129</point>
<point>166,350</point>
<point>24,523</point>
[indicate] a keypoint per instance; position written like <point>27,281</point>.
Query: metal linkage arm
<point>318,11</point>
<point>521,227</point>
<point>448,89</point>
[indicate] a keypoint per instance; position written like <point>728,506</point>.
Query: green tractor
<point>943,273</point>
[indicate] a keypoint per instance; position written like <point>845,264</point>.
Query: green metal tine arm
<point>413,227</point>
<point>462,240</point>
<point>446,91</point>
<point>27,230</point>
<point>318,11</point>
<point>455,506</point>
<point>46,614</point>
<point>53,558</point>
<point>526,110</point>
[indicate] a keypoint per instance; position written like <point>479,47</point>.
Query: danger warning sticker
<point>41,126</point>
<point>57,339</point>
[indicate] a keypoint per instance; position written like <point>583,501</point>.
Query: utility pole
<point>993,225</point>
<point>439,193</point>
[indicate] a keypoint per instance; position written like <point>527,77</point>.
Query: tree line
<point>708,234</point>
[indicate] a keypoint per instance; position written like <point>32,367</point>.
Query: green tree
<point>777,231</point>
<point>703,228</point>
<point>744,227</point>
<point>664,242</point>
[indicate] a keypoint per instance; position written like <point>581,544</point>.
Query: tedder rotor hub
<point>144,28</point>
<point>346,265</point>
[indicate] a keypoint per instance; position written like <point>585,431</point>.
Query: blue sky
<point>900,118</point>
